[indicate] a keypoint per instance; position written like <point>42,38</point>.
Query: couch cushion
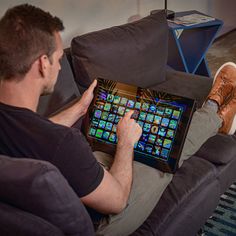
<point>134,53</point>
<point>219,149</point>
<point>187,85</point>
<point>39,188</point>
<point>21,223</point>
<point>65,91</point>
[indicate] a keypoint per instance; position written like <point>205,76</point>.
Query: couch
<point>35,199</point>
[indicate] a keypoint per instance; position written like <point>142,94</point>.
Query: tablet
<point>164,119</point>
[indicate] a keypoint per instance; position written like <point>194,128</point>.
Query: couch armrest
<point>186,85</point>
<point>18,222</point>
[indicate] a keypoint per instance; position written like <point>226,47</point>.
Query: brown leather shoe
<point>224,83</point>
<point>227,113</point>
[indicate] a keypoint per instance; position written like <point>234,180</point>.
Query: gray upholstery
<point>39,188</point>
<point>65,91</point>
<point>134,53</point>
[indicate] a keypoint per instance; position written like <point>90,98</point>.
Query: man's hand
<point>128,131</point>
<point>74,111</point>
<point>87,98</point>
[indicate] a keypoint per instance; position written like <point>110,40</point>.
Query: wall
<point>82,16</point>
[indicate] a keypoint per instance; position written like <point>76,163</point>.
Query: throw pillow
<point>134,53</point>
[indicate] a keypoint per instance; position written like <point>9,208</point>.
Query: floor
<point>221,51</point>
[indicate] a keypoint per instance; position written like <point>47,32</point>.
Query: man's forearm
<point>122,168</point>
<point>69,114</point>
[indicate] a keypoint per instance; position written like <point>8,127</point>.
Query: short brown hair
<point>26,33</point>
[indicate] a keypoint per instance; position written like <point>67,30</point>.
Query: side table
<point>188,45</point>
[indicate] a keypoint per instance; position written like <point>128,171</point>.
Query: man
<point>30,53</point>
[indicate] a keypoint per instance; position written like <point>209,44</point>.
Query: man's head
<point>26,34</point>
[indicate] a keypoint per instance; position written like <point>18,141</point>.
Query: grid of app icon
<point>158,121</point>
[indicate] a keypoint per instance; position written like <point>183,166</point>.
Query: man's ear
<point>43,65</point>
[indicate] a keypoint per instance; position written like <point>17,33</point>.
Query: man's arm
<point>112,194</point>
<point>76,109</point>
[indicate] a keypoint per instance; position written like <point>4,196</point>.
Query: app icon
<point>108,126</point>
<point>111,117</point>
<point>123,101</point>
<point>92,131</point>
<point>142,115</point>
<point>121,110</point>
<point>141,146</point>
<point>99,133</point>
<point>152,108</point>
<point>154,129</point>
<point>149,148</point>
<point>97,113</point>
<point>162,131</point>
<point>167,143</point>
<point>145,106</point>
<point>137,105</point>
<point>104,115</point>
<point>173,124</point>
<point>150,117</point>
<point>114,108</point>
<point>176,114</point>
<point>116,99</point>
<point>170,133</point>
<point>102,95</point>
<point>112,138</point>
<point>130,104</point>
<point>102,124</point>
<point>95,122</point>
<point>106,135</point>
<point>135,115</point>
<point>164,153</point>
<point>159,141</point>
<point>168,112</point>
<point>110,97</point>
<point>146,127</point>
<point>117,119</point>
<point>156,151</point>
<point>100,105</point>
<point>152,138</point>
<point>157,120</point>
<point>107,107</point>
<point>165,122</point>
<point>160,111</point>
<point>144,137</point>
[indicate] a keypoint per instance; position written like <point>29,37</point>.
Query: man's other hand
<point>87,98</point>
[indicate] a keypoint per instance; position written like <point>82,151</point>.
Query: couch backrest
<point>134,53</point>
<point>65,91</point>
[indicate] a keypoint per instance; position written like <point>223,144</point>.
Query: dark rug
<point>223,220</point>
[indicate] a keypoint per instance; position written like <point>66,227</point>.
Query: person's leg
<point>205,124</point>
<point>147,188</point>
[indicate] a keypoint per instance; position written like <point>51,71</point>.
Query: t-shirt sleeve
<point>75,159</point>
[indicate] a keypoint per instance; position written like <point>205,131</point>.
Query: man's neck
<point>19,94</point>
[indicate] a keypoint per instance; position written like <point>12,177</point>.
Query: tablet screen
<point>164,119</point>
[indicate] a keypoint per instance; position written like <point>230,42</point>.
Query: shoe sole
<point>233,126</point>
